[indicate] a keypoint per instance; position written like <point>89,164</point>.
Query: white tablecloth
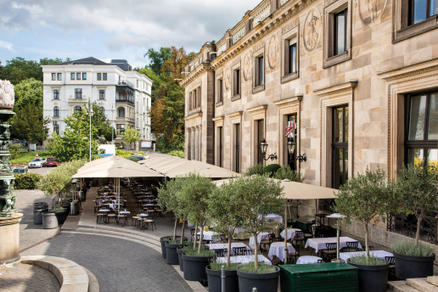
<point>290,233</point>
<point>273,218</point>
<point>277,249</point>
<point>225,245</point>
<point>381,254</point>
<point>320,243</point>
<point>239,230</point>
<point>208,235</point>
<point>302,260</point>
<point>244,259</point>
<point>261,236</point>
<point>124,212</point>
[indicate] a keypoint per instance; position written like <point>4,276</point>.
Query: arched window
<point>56,112</point>
<point>77,108</point>
<point>121,112</point>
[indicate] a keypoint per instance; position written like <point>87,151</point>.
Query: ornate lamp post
<point>291,150</point>
<point>9,219</point>
<point>264,148</point>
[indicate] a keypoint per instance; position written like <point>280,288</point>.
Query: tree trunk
<point>174,228</point>
<point>200,238</point>
<point>419,220</point>
<point>256,252</point>
<point>182,231</point>
<point>229,250</point>
<point>366,242</point>
<point>195,236</point>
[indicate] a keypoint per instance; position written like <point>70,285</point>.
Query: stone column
<point>9,219</point>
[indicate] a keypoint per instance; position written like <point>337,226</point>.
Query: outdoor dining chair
<point>330,252</point>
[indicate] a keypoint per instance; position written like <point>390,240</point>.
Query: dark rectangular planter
<point>180,253</point>
<point>372,278</point>
<point>263,282</point>
<point>412,266</point>
<point>171,254</point>
<point>214,280</point>
<point>194,268</point>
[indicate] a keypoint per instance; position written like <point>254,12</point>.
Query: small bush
<point>271,169</point>
<point>371,261</point>
<point>287,173</point>
<point>27,181</point>
<point>123,153</point>
<point>263,268</point>
<point>203,253</point>
<point>217,266</point>
<point>177,153</point>
<point>408,248</point>
<point>15,150</point>
<point>255,169</point>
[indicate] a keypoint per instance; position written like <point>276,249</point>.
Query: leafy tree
<point>157,58</point>
<point>28,122</point>
<point>225,210</point>
<point>364,197</point>
<point>19,69</point>
<point>131,135</point>
<point>257,196</point>
<point>417,190</point>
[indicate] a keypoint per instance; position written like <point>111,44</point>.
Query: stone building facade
<point>357,79</point>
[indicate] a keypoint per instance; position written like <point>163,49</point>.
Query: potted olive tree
<point>257,196</point>
<point>364,198</point>
<point>194,192</point>
<point>225,211</point>
<point>417,190</point>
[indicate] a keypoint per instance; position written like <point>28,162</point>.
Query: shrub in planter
<point>271,169</point>
<point>195,262</point>
<point>26,181</point>
<point>49,220</point>
<point>287,173</point>
<point>417,192</point>
<point>255,169</point>
<point>214,277</point>
<point>373,273</point>
<point>264,278</point>
<point>364,198</point>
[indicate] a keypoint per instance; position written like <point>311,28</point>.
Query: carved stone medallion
<point>247,66</point>
<point>312,29</point>
<point>371,10</point>
<point>227,78</point>
<point>273,52</point>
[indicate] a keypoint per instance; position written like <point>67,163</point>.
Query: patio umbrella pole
<point>285,236</point>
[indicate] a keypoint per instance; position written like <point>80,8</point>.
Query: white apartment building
<point>123,94</point>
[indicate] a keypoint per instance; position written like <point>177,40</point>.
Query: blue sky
<point>111,29</point>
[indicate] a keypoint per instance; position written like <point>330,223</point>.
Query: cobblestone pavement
<point>118,264</point>
<point>30,233</point>
<point>27,278</point>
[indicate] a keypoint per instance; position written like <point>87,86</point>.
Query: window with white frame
<point>101,94</point>
<point>78,93</point>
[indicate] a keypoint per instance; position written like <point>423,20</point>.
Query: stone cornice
<point>410,70</point>
<point>218,119</point>
<point>349,85</point>
<point>194,74</point>
<point>235,114</point>
<point>257,109</point>
<point>194,115</point>
<point>292,99</point>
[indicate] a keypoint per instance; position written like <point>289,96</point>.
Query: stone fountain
<point>9,218</point>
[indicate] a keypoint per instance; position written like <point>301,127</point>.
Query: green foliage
<point>59,179</point>
<point>131,135</point>
<point>19,69</point>
<point>217,266</point>
<point>255,169</point>
<point>15,150</point>
<point>408,248</point>
<point>202,253</point>
<point>262,268</point>
<point>123,153</point>
<point>287,173</point>
<point>177,153</point>
<point>26,181</point>
<point>169,197</point>
<point>157,58</point>
<point>363,260</point>
<point>26,157</point>
<point>75,142</point>
<point>271,169</point>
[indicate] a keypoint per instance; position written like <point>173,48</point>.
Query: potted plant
<point>224,210</point>
<point>194,194</point>
<point>417,189</point>
<point>257,197</point>
<point>364,198</point>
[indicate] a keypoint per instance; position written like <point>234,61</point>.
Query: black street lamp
<point>291,146</point>
<point>264,149</point>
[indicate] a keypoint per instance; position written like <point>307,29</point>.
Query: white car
<point>36,163</point>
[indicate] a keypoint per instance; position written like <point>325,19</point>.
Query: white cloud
<point>130,23</point>
<point>6,45</point>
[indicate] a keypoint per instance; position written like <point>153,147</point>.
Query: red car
<point>51,162</point>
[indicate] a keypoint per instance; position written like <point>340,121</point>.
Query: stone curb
<point>70,275</point>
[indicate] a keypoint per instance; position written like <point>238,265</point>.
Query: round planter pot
<point>49,220</point>
<point>194,268</point>
<point>214,280</point>
<point>61,215</point>
<point>38,216</point>
<point>412,266</point>
<point>171,254</point>
<point>263,282</point>
<point>372,278</point>
<point>180,253</point>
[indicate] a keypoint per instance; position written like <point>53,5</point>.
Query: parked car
<point>51,162</point>
<point>19,169</point>
<point>36,163</point>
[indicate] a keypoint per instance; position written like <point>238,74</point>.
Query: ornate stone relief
<point>273,51</point>
<point>227,78</point>
<point>371,10</point>
<point>247,66</point>
<point>312,30</point>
